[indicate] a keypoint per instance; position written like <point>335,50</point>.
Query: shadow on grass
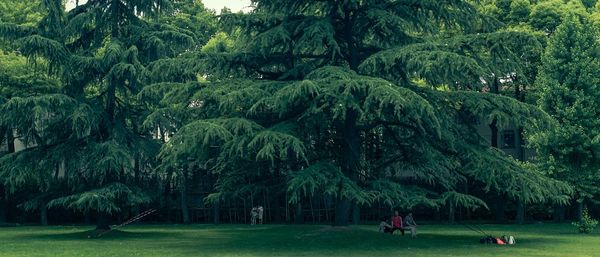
<point>294,241</point>
<point>93,235</point>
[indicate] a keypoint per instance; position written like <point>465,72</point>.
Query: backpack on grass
<point>511,240</point>
<point>488,240</point>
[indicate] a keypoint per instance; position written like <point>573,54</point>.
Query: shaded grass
<point>285,240</point>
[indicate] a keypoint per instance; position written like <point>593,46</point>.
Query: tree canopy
<point>122,104</point>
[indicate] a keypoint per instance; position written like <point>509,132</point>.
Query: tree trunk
<point>520,212</point>
<point>342,212</point>
<point>299,218</point>
<point>216,213</point>
<point>86,218</point>
<point>44,215</point>
<point>578,205</point>
<point>185,211</point>
<point>355,213</point>
<point>494,136</point>
<point>349,164</point>
<point>437,216</point>
<point>10,141</point>
<point>277,209</point>
<point>3,205</point>
<point>451,214</point>
<point>520,145</point>
<point>500,211</point>
<point>493,126</point>
<point>103,221</point>
<point>559,213</point>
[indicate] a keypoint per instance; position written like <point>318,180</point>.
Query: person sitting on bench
<point>397,223</point>
<point>384,227</point>
<point>410,223</point>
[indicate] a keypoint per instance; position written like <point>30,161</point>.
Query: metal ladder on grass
<point>129,221</point>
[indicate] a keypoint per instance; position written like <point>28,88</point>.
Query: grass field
<point>289,240</point>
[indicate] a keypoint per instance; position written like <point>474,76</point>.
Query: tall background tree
<point>568,91</point>
<point>91,128</point>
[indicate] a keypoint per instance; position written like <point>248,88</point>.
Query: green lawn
<point>288,240</point>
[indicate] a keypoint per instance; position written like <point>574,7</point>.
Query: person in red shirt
<point>397,222</point>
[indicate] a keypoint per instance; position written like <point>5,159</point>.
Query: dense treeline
<point>321,111</point>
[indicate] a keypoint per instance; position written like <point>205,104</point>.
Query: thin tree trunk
<point>185,211</point>
<point>493,126</point>
<point>44,215</point>
<point>10,141</point>
<point>468,210</point>
<point>355,213</point>
<point>312,209</point>
<point>299,218</point>
<point>349,164</point>
<point>287,210</point>
<point>277,207</point>
<point>86,218</point>
<point>216,213</point>
<point>578,205</point>
<point>3,196</point>
<point>3,205</point>
<point>103,221</point>
<point>500,208</point>
<point>520,212</point>
<point>3,208</point>
<point>342,212</point>
<point>451,214</point>
<point>559,213</point>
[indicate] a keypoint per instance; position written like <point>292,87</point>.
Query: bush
<point>587,224</point>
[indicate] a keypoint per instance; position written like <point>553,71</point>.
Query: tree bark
<point>559,213</point>
<point>44,215</point>
<point>493,126</point>
<point>216,213</point>
<point>342,212</point>
<point>86,218</point>
<point>103,221</point>
<point>349,164</point>
<point>500,208</point>
<point>3,205</point>
<point>494,131</point>
<point>355,213</point>
<point>10,141</point>
<point>185,211</point>
<point>299,215</point>
<point>520,212</point>
<point>578,205</point>
<point>451,214</point>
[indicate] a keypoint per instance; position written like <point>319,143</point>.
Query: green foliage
<point>327,90</point>
<point>17,12</point>
<point>568,91</point>
<point>454,199</point>
<point>363,102</point>
<point>105,199</point>
<point>326,179</point>
<point>90,125</point>
<point>586,224</point>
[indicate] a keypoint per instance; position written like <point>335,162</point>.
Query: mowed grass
<point>292,240</point>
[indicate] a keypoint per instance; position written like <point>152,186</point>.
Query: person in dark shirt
<point>409,223</point>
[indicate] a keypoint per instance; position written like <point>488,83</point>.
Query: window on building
<point>508,139</point>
